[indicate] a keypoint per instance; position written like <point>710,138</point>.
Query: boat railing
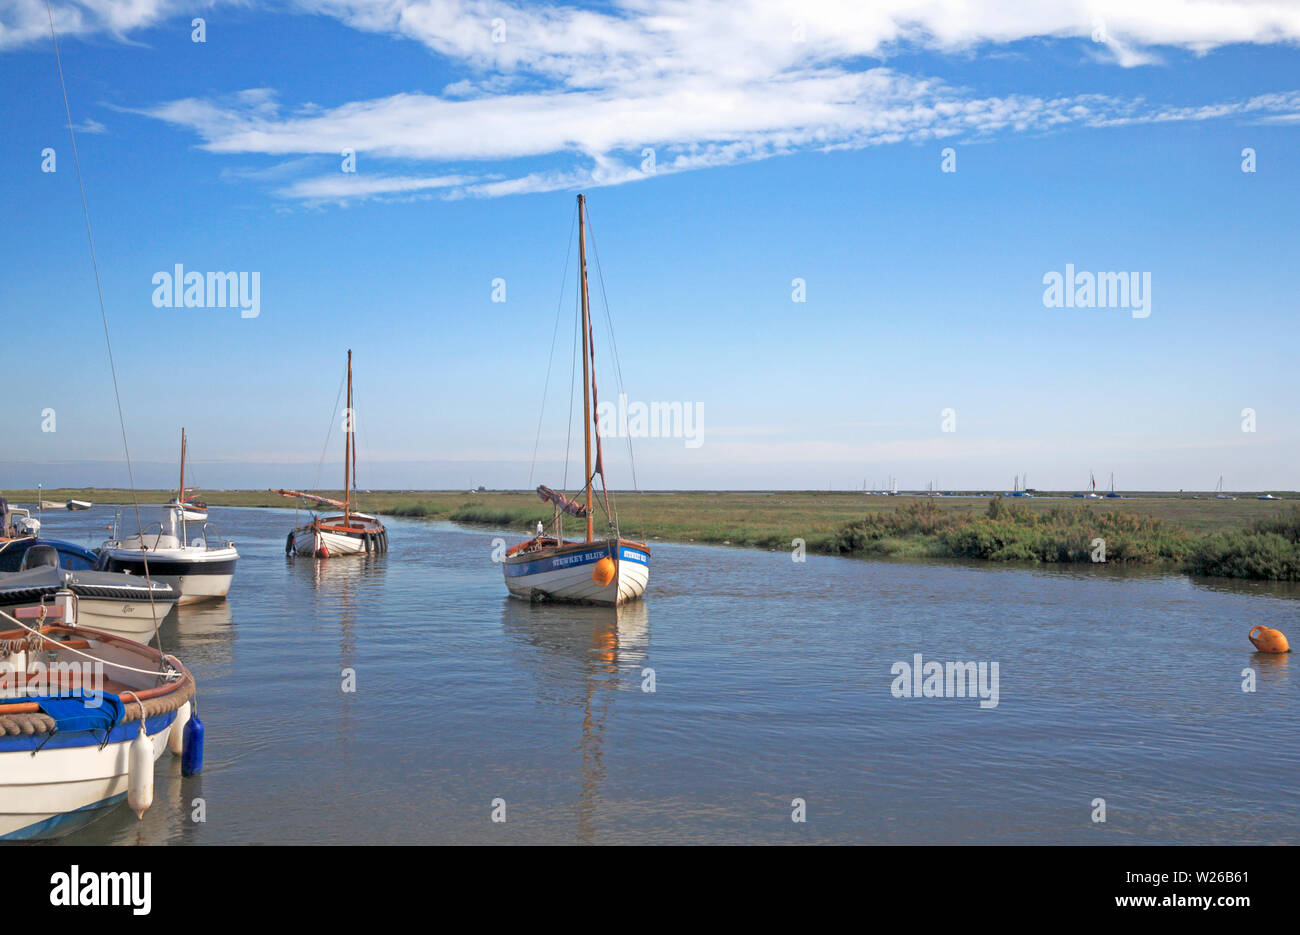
<point>120,541</point>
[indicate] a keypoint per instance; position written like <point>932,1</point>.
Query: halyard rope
<point>103,314</point>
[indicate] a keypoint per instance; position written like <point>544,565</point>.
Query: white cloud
<point>690,125</point>
<point>702,82</point>
<point>343,187</point>
<point>23,22</point>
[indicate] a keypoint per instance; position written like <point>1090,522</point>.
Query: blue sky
<point>791,141</point>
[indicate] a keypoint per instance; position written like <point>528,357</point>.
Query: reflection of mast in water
<point>339,584</point>
<point>608,649</point>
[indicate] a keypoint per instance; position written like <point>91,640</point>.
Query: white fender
<point>139,790</point>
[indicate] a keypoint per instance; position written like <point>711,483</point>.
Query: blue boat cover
<point>74,712</point>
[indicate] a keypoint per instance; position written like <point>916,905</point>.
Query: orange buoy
<point>1269,640</point>
<point>604,571</point>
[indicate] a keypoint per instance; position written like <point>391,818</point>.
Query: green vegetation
<point>1245,538</point>
<point>1012,532</point>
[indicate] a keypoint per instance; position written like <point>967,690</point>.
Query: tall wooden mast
<point>180,498</point>
<point>586,376</point>
<point>347,450</point>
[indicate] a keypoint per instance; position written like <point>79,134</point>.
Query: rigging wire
<point>618,366</point>
<point>329,433</point>
<point>573,381</point>
<point>546,387</point>
<point>103,314</point>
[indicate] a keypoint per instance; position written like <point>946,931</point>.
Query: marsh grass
<point>1243,538</point>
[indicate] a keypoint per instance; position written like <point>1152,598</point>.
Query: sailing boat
<point>346,533</point>
<point>1218,491</point>
<point>195,511</point>
<point>609,571</point>
<point>1112,495</point>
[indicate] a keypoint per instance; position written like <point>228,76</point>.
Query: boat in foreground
<point>609,571</point>
<point>347,532</point>
<point>72,703</point>
<point>198,567</point>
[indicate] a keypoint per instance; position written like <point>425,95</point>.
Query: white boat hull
<point>198,574</point>
<point>566,574</point>
<point>325,543</point>
<point>308,541</point>
<point>132,621</point>
<point>63,788</point>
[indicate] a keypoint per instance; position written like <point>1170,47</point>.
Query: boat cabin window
<point>40,555</point>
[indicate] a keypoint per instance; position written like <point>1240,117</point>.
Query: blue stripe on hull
<point>556,562</point>
<point>634,555</point>
<point>122,733</point>
<point>60,825</point>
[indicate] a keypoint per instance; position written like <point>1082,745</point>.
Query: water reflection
<point>201,634</point>
<point>1273,668</point>
<point>580,658</point>
<point>344,589</point>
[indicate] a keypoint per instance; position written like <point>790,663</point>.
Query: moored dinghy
<point>35,570</point>
<point>73,701</point>
<point>609,571</point>
<point>348,532</point>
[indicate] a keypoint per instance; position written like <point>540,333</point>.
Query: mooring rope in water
<point>103,314</point>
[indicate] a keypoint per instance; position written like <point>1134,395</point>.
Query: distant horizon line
<point>814,490</point>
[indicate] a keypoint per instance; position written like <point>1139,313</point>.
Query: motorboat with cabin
<point>191,557</point>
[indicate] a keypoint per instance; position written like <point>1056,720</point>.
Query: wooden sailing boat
<point>608,571</point>
<point>192,510</point>
<point>347,533</point>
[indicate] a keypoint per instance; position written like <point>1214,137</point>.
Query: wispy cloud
<point>23,22</point>
<point>699,82</point>
<point>604,135</point>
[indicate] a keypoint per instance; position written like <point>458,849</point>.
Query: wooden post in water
<point>586,377</point>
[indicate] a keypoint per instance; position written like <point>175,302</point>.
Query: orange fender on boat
<point>604,571</point>
<point>1269,640</point>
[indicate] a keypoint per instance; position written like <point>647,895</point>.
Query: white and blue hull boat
<point>609,572</point>
<point>35,804</point>
<point>66,742</point>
